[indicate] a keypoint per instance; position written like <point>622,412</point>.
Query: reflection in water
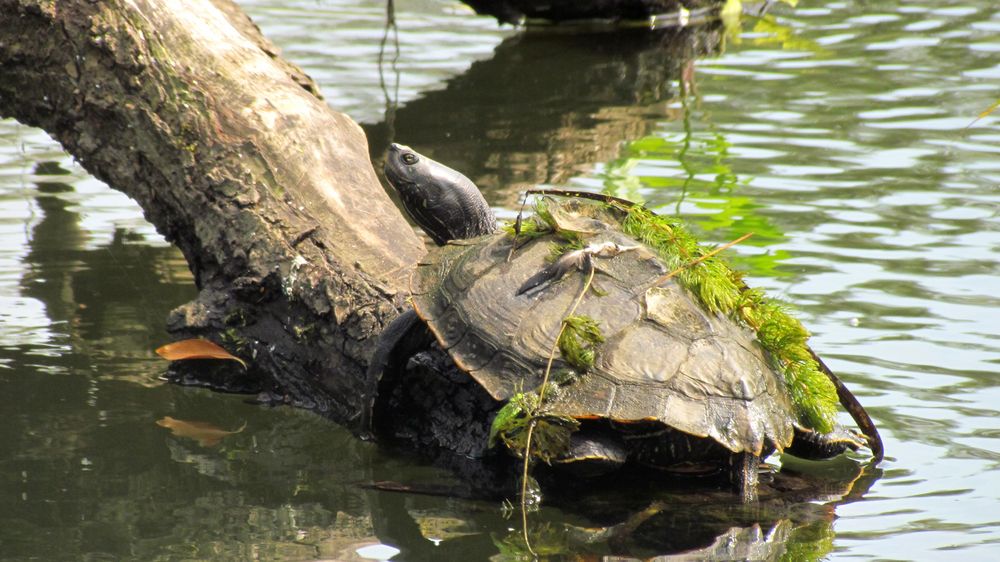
<point>98,296</point>
<point>705,190</point>
<point>288,484</point>
<point>638,519</point>
<point>391,98</point>
<point>547,105</point>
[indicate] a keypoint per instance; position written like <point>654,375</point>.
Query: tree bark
<point>299,255</point>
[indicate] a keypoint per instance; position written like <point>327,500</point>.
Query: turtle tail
<point>857,411</point>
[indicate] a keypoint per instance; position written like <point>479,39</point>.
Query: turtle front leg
<point>744,469</point>
<point>403,337</point>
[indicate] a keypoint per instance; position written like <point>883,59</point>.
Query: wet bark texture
<point>299,255</point>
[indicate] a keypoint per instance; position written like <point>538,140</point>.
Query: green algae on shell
<point>721,290</point>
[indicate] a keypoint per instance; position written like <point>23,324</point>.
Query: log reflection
<point>549,104</point>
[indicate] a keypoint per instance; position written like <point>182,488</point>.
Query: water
<point>835,132</point>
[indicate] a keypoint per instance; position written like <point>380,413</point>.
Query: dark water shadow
<point>548,104</point>
<point>100,297</point>
<point>635,518</point>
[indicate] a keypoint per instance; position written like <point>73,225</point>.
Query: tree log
<point>299,255</point>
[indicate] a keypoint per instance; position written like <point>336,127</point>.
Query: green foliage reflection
<point>706,181</point>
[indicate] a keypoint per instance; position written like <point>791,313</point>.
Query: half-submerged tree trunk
<point>299,255</point>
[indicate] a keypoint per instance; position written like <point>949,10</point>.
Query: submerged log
<point>234,157</point>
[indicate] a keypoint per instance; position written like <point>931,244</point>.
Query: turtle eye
<point>409,158</point>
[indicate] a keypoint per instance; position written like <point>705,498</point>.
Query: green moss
<point>237,318</point>
<point>548,542</point>
<point>530,228</point>
<point>543,223</point>
<point>512,417</point>
<point>558,250</point>
<point>550,438</point>
<point>537,225</point>
<point>809,542</point>
<point>579,340</point>
<point>301,332</point>
<point>233,340</point>
<point>552,431</point>
<point>722,290</point>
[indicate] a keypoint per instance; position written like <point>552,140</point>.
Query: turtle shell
<point>665,358</point>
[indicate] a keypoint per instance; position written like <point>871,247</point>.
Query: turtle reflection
<point>792,520</point>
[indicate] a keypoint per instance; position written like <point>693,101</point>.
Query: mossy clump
<point>551,435</point>
<point>579,340</point>
<point>722,290</point>
<point>534,226</point>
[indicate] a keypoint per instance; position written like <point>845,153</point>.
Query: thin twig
<point>562,328</point>
<point>524,489</point>
<point>603,197</point>
<point>541,398</point>
<point>982,115</point>
<point>703,258</point>
<point>517,227</point>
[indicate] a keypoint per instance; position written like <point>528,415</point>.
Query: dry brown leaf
<point>206,434</point>
<point>195,349</point>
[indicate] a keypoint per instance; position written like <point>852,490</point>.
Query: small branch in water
<point>985,113</point>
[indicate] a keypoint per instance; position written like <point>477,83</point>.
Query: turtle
<point>672,385</point>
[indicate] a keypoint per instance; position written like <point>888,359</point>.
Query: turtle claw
<point>745,475</point>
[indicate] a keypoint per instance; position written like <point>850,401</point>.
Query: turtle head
<point>404,167</point>
<point>446,204</point>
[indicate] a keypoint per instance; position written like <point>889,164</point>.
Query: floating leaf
<point>196,349</point>
<point>206,434</point>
